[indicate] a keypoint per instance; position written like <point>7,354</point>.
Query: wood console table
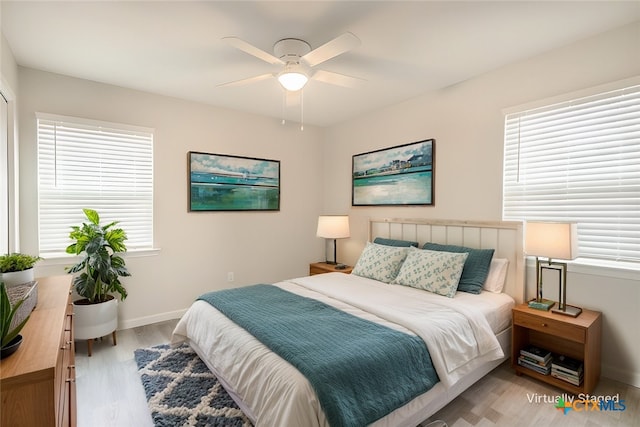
<point>37,382</point>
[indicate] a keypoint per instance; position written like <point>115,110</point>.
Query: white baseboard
<point>148,320</point>
<point>631,378</point>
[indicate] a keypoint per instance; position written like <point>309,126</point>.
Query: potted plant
<point>10,338</point>
<point>100,268</point>
<point>17,268</point>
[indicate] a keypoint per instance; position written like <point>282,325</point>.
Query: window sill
<point>66,259</point>
<point>594,267</point>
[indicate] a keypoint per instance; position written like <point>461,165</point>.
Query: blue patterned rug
<point>181,391</point>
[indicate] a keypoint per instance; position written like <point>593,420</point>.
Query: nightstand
<point>578,338</point>
<point>323,267</point>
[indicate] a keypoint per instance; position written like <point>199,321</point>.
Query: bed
<point>467,335</point>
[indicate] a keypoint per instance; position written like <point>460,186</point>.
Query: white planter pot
<point>95,320</point>
<point>17,277</point>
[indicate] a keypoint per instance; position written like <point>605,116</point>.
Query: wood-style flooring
<point>110,394</point>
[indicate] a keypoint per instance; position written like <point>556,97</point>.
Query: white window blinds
<point>101,166</point>
<point>579,161</point>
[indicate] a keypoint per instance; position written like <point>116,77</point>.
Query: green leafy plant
<point>17,262</point>
<point>7,313</point>
<point>100,265</point>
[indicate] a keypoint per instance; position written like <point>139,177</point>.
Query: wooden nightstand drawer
<point>549,326</point>
<point>316,270</point>
<point>323,267</point>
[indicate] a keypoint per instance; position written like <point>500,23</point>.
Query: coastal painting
<point>401,175</point>
<point>220,182</point>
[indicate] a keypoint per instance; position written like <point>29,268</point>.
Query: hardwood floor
<point>110,393</point>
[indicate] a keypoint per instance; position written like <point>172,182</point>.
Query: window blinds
<point>579,161</point>
<point>101,166</point>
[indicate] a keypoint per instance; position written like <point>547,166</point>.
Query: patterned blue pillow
<point>380,262</point>
<point>433,271</point>
<point>476,268</point>
<point>395,242</point>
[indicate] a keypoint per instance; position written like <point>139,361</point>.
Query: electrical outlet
<point>230,276</point>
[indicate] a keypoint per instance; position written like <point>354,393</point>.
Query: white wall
<point>466,121</point>
<point>8,66</point>
<point>197,249</point>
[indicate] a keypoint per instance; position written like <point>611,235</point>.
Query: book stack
<point>542,304</point>
<point>567,369</point>
<point>536,358</point>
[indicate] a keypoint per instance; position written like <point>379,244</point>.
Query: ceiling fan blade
<point>337,79</point>
<point>252,50</point>
<point>247,81</point>
<point>331,49</point>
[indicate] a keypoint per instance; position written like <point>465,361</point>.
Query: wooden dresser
<point>37,382</point>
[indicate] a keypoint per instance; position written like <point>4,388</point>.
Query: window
<point>579,161</point>
<point>88,164</point>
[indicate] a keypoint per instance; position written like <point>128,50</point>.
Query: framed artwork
<point>396,176</point>
<point>219,182</point>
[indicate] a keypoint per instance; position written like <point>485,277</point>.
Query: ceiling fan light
<point>292,80</point>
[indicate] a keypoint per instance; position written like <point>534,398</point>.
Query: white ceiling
<point>408,48</point>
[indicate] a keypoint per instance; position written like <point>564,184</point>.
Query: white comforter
<point>273,393</point>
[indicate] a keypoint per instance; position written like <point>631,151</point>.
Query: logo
<point>580,403</point>
<point>563,406</point>
<point>586,403</point>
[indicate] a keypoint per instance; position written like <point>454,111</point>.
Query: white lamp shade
<point>556,240</point>
<point>333,226</point>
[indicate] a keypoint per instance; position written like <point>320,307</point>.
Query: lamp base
<point>331,262</point>
<point>568,310</point>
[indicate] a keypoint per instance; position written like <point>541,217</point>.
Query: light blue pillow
<point>433,271</point>
<point>476,268</point>
<point>380,262</point>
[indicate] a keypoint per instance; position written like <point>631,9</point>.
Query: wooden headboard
<point>505,237</point>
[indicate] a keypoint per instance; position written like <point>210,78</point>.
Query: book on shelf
<point>536,353</point>
<point>567,364</point>
<point>536,366</point>
<point>534,361</point>
<point>572,379</point>
<point>542,304</point>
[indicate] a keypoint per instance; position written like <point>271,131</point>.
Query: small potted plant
<point>100,268</point>
<point>10,338</point>
<point>17,268</point>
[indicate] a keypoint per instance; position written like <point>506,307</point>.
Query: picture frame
<point>221,182</point>
<point>402,175</point>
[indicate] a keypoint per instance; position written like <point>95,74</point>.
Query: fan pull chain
<point>284,104</point>
<point>301,111</point>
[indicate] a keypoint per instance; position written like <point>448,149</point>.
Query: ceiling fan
<point>298,61</point>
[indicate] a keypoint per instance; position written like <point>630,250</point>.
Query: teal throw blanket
<point>360,370</point>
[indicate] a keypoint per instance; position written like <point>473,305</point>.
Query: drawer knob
<point>544,325</point>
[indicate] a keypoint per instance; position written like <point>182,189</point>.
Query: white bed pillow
<point>380,262</point>
<point>434,271</point>
<point>497,275</point>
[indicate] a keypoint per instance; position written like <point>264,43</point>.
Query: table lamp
<point>553,240</point>
<point>333,227</point>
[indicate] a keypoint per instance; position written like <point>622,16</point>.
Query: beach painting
<point>220,182</point>
<point>400,175</point>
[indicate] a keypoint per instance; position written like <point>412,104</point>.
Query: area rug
<point>181,391</point>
